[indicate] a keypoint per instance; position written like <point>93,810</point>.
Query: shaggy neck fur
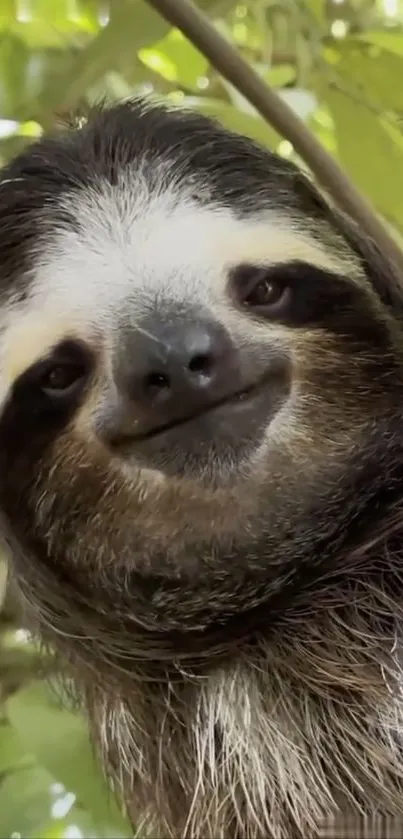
<point>270,739</point>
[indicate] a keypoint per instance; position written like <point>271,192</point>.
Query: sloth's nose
<point>174,369</point>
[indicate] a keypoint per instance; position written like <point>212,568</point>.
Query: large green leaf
<point>317,9</point>
<point>49,10</point>
<point>373,74</point>
<point>176,59</point>
<point>133,25</point>
<point>53,24</point>
<point>280,75</point>
<point>242,123</point>
<point>14,58</point>
<point>12,754</point>
<point>91,10</point>
<point>25,802</point>
<point>43,34</point>
<point>7,12</point>
<point>371,150</point>
<point>391,41</point>
<point>59,740</point>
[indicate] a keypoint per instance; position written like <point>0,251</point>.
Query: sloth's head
<point>201,377</point>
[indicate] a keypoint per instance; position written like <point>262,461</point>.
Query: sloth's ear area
<point>382,273</point>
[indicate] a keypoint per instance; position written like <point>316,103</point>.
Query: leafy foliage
<point>339,63</point>
<point>50,783</point>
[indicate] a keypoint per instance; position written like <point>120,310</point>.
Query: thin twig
<point>197,28</point>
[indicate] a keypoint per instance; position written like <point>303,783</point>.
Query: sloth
<point>201,471</point>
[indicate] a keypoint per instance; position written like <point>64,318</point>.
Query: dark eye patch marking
<point>318,298</point>
<point>29,418</point>
<point>317,294</point>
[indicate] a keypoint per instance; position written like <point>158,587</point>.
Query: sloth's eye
<point>267,294</point>
<point>62,379</point>
<point>262,290</point>
<point>62,375</point>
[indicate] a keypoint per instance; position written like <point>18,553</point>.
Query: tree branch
<point>197,28</point>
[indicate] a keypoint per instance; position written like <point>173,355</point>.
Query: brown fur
<point>235,634</point>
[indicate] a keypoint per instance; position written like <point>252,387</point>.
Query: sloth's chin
<point>212,443</point>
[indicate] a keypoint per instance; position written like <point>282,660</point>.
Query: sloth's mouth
<point>230,402</point>
<point>220,436</point>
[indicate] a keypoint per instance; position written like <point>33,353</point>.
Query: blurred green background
<point>339,65</point>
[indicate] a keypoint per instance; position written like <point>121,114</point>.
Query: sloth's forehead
<point>128,247</point>
<point>120,251</point>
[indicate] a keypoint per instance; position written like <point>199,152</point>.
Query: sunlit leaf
<point>318,9</point>
<point>7,12</point>
<point>44,34</point>
<point>59,740</point>
<point>371,150</point>
<point>30,129</point>
<point>133,25</point>
<point>55,829</point>
<point>49,10</point>
<point>280,75</point>
<point>390,41</point>
<point>158,61</point>
<point>25,802</point>
<point>47,23</point>
<point>321,123</point>
<point>83,825</point>
<point>94,11</point>
<point>14,58</point>
<point>179,60</point>
<point>374,75</point>
<point>12,754</point>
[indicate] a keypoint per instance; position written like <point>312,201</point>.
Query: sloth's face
<point>196,370</point>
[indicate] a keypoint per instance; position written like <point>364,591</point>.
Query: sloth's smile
<point>232,401</point>
<point>231,428</point>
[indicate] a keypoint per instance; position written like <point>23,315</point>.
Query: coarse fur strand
<point>271,737</point>
<point>226,593</point>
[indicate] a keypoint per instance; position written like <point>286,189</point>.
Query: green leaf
<point>318,9</point>
<point>216,8</point>
<point>390,41</point>
<point>49,10</point>
<point>59,828</point>
<point>12,754</point>
<point>371,150</point>
<point>14,58</point>
<point>52,24</point>
<point>7,12</point>
<point>321,123</point>
<point>92,11</point>
<point>145,24</point>
<point>133,25</point>
<point>43,34</point>
<point>280,75</point>
<point>372,74</point>
<point>25,802</point>
<point>59,740</point>
<point>176,59</point>
<point>246,124</point>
